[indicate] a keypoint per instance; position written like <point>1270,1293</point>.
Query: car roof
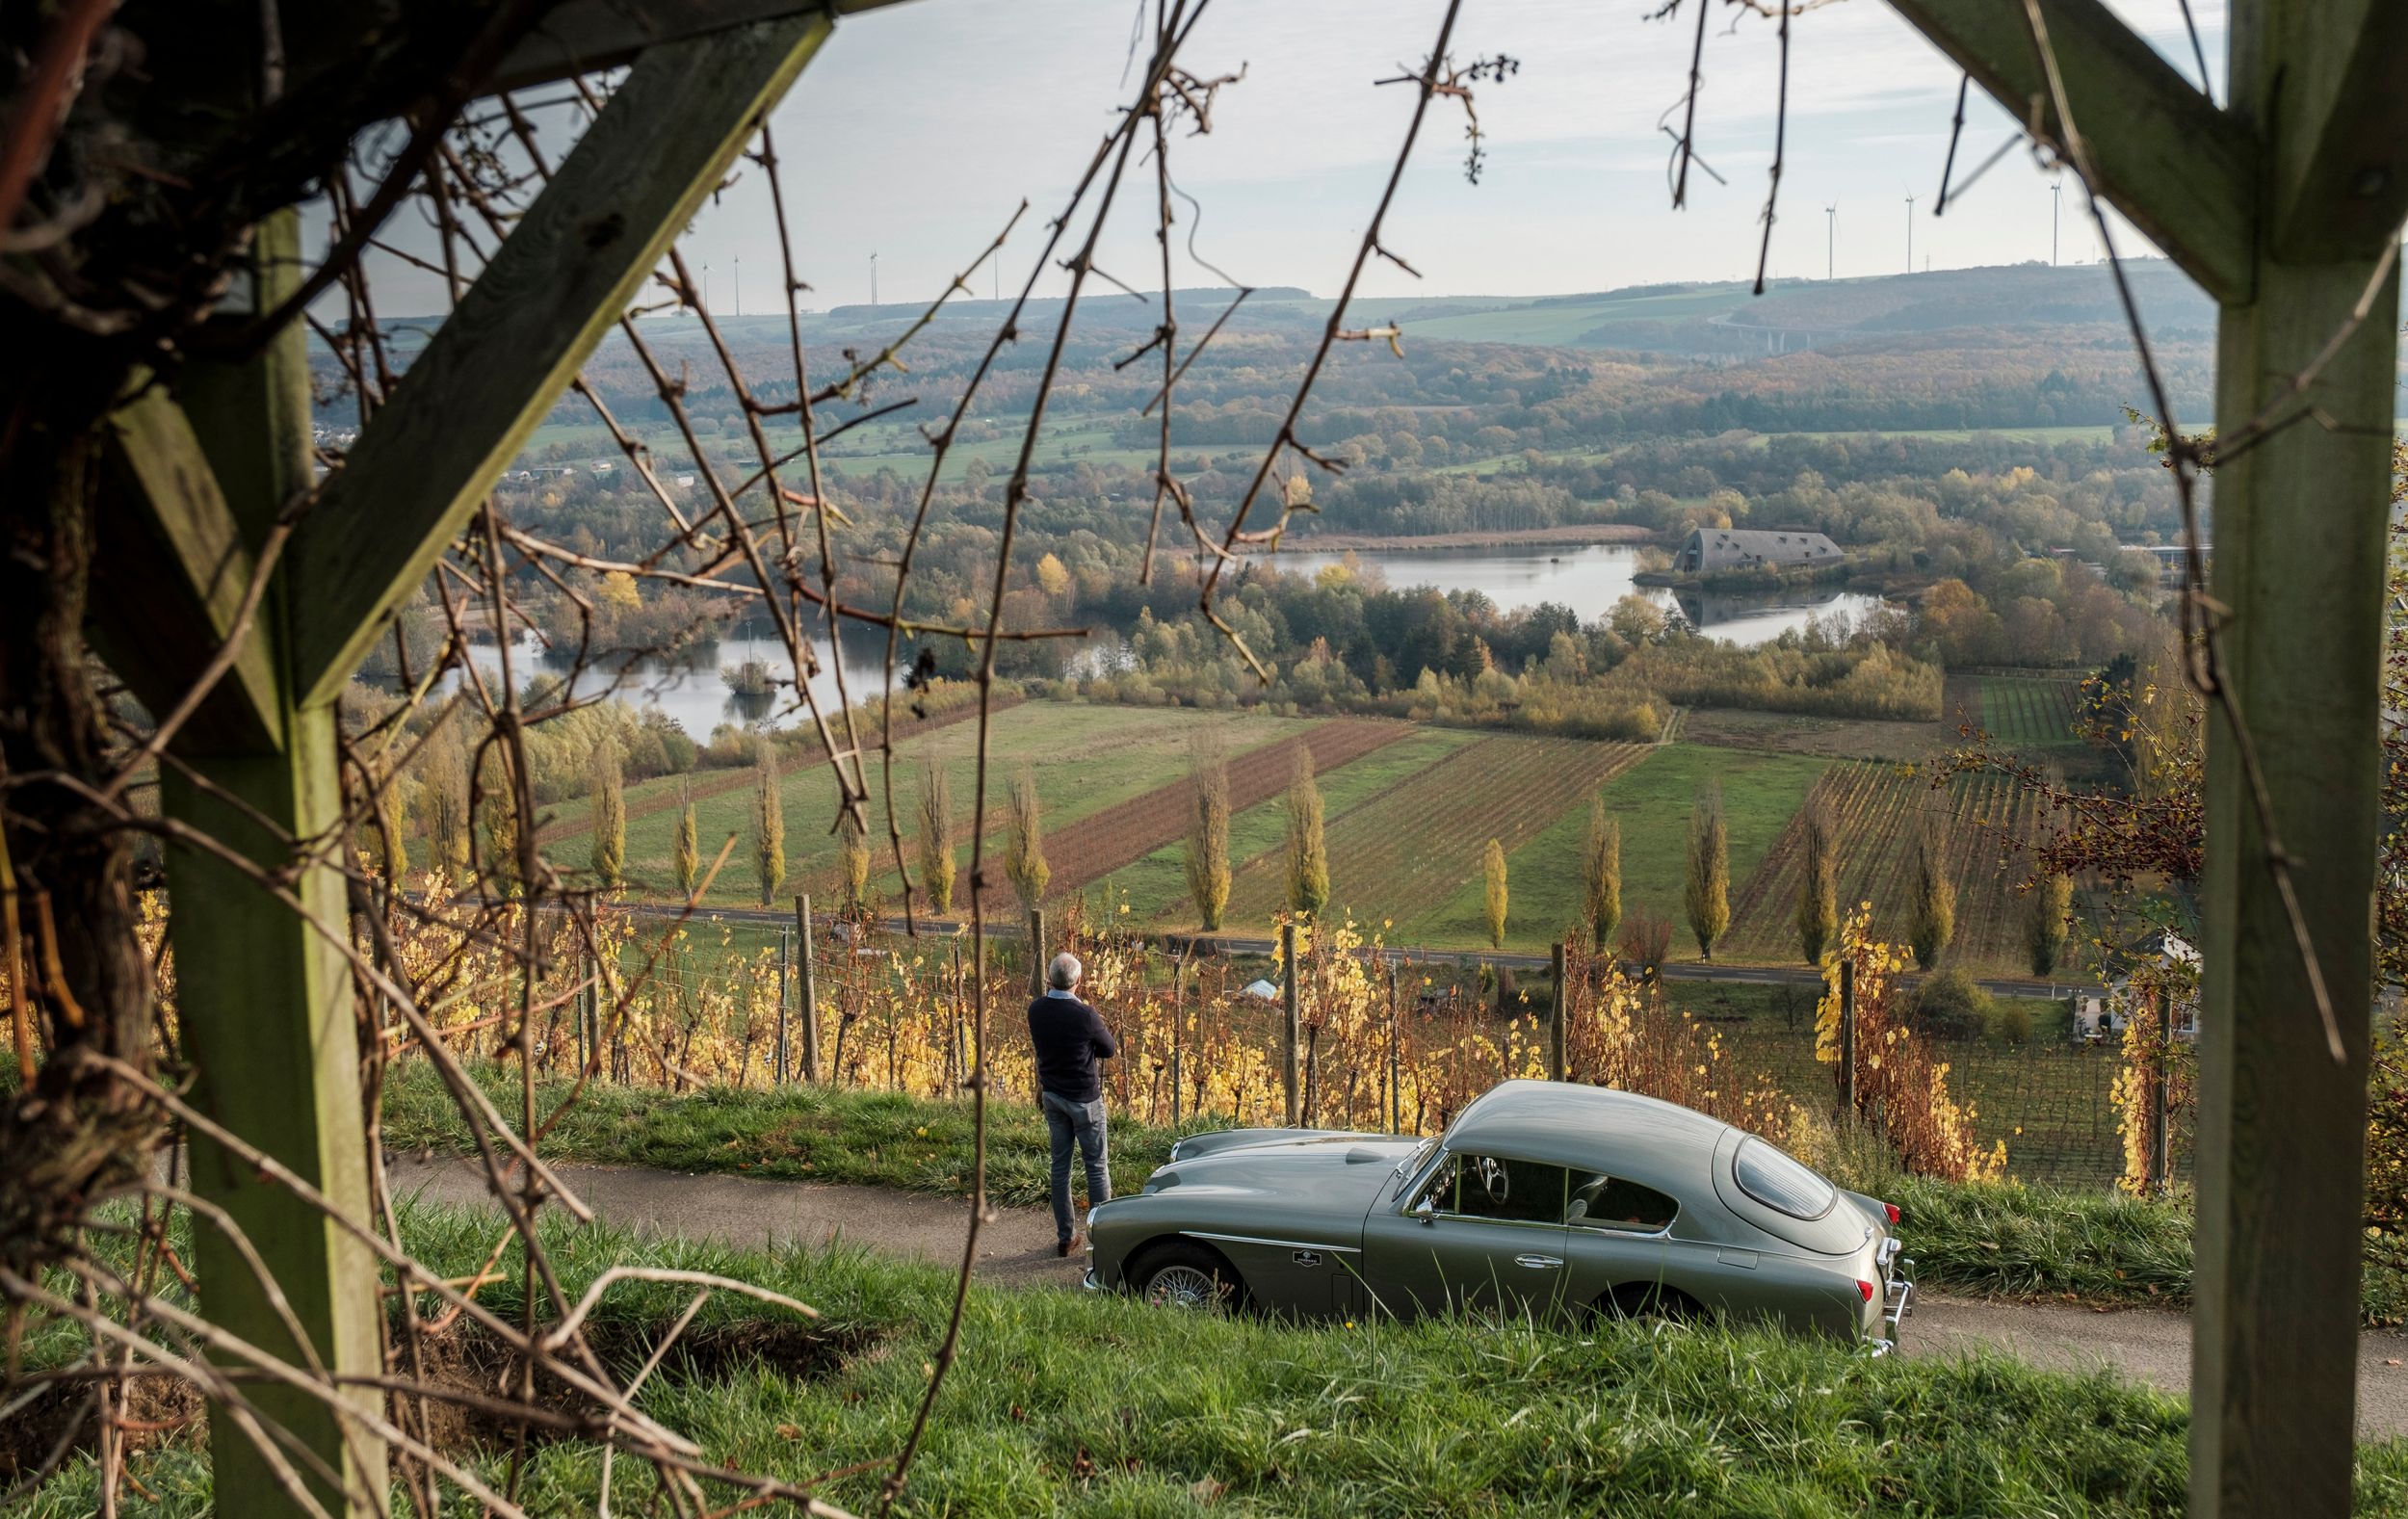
<point>1551,1120</point>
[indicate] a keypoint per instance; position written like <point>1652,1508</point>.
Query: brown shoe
<point>1063,1247</point>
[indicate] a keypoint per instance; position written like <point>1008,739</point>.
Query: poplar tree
<point>1308,854</point>
<point>2045,907</point>
<point>769,826</point>
<point>688,859</point>
<point>1817,889</point>
<point>1493,874</point>
<point>852,858</point>
<point>1601,873</point>
<point>1707,897</point>
<point>610,814</point>
<point>1208,832</point>
<point>1934,921</point>
<point>937,835</point>
<point>1024,857</point>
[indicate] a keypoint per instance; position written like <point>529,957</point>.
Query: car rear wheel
<point>1187,1277</point>
<point>1649,1301</point>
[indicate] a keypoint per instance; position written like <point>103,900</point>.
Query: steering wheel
<point>1494,1180</point>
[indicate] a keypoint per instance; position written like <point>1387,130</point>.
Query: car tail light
<point>1891,1209</point>
<point>1863,1290</point>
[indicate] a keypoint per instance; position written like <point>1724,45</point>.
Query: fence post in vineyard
<point>1290,1026</point>
<point>807,989</point>
<point>1037,952</point>
<point>785,949</point>
<point>1396,1038</point>
<point>585,965</point>
<point>2160,1116</point>
<point>1848,1037</point>
<point>1563,1010</point>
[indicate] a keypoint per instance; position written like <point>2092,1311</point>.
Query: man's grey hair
<point>1063,972</point>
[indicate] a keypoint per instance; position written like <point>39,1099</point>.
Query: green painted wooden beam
<point>2343,145</point>
<point>265,1003</point>
<point>497,364</point>
<point>167,592</point>
<point>2181,169</point>
<point>582,36</point>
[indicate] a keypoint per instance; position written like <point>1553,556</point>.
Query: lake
<point>1589,578</point>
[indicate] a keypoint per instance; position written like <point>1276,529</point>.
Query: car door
<point>1481,1233</point>
<point>1617,1244</point>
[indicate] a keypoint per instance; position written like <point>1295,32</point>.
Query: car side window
<point>1487,1187</point>
<point>1600,1201</point>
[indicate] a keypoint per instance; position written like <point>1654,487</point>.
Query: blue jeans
<point>1084,1122</point>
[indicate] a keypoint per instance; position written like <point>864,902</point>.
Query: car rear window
<point>1780,1183</point>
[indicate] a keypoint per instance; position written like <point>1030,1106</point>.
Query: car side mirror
<point>1426,1211</point>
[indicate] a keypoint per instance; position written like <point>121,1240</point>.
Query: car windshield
<point>1779,1182</point>
<point>1411,1164</point>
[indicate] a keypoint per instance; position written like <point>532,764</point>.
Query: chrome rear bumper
<point>1089,1282</point>
<point>1898,1293</point>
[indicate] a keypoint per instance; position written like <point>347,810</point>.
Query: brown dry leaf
<point>1205,1490</point>
<point>1085,1466</point>
<point>788,1432</point>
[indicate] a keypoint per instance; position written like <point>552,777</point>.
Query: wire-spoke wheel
<point>1186,1277</point>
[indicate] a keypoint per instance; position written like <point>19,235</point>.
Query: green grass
<point>1760,792</point>
<point>1156,887</point>
<point>1066,1404</point>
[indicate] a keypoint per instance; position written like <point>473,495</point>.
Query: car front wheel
<point>1187,1276</point>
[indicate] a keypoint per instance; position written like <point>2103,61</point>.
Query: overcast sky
<point>918,127</point>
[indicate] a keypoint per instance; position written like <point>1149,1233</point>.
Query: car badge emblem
<point>1308,1257</point>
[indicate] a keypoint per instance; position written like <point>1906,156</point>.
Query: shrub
<point>1208,835</point>
<point>769,826</point>
<point>1601,873</point>
<point>2046,908</point>
<point>1950,1006</point>
<point>1709,891</point>
<point>1308,853</point>
<point>1024,858</point>
<point>1935,902</point>
<point>1818,891</point>
<point>688,859</point>
<point>2010,1020</point>
<point>1492,867</point>
<point>937,835</point>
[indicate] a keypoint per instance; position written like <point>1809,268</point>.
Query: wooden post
<point>1848,1038</point>
<point>1396,1038</point>
<point>2162,1129</point>
<point>1290,1032</point>
<point>2300,527</point>
<point>1178,970</point>
<point>784,952</point>
<point>1037,952</point>
<point>807,989</point>
<point>266,1000</point>
<point>1556,1039</point>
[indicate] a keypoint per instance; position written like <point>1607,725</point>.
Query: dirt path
<point>1017,1250</point>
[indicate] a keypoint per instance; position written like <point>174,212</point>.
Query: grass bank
<point>1068,1404</point>
<point>2005,1240</point>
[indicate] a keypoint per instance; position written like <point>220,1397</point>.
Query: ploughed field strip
<point>1121,834</point>
<point>1875,811</point>
<point>1387,861</point>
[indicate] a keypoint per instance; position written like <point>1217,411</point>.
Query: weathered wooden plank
<point>582,36</point>
<point>2342,148</point>
<point>2181,169</point>
<point>497,364</point>
<point>2299,558</point>
<point>167,592</point>
<point>265,1002</point>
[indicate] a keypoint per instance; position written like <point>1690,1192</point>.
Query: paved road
<point>1235,944</point>
<point>1017,1248</point>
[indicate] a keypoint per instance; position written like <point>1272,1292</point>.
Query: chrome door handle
<point>1539,1262</point>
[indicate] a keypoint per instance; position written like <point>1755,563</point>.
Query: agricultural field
<point>2032,715</point>
<point>1083,759</point>
<point>1877,810</point>
<point>1416,845</point>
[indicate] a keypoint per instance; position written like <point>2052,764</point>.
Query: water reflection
<point>694,691</point>
<point>1589,578</point>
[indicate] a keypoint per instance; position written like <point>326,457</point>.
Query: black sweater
<point>1069,1039</point>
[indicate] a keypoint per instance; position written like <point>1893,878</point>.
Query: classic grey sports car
<point>1543,1197</point>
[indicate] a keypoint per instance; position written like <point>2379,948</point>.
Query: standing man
<point>1069,1038</point>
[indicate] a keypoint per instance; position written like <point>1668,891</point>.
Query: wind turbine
<point>1911,199</point>
<point>1830,237</point>
<point>740,284</point>
<point>2056,205</point>
<point>874,278</point>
